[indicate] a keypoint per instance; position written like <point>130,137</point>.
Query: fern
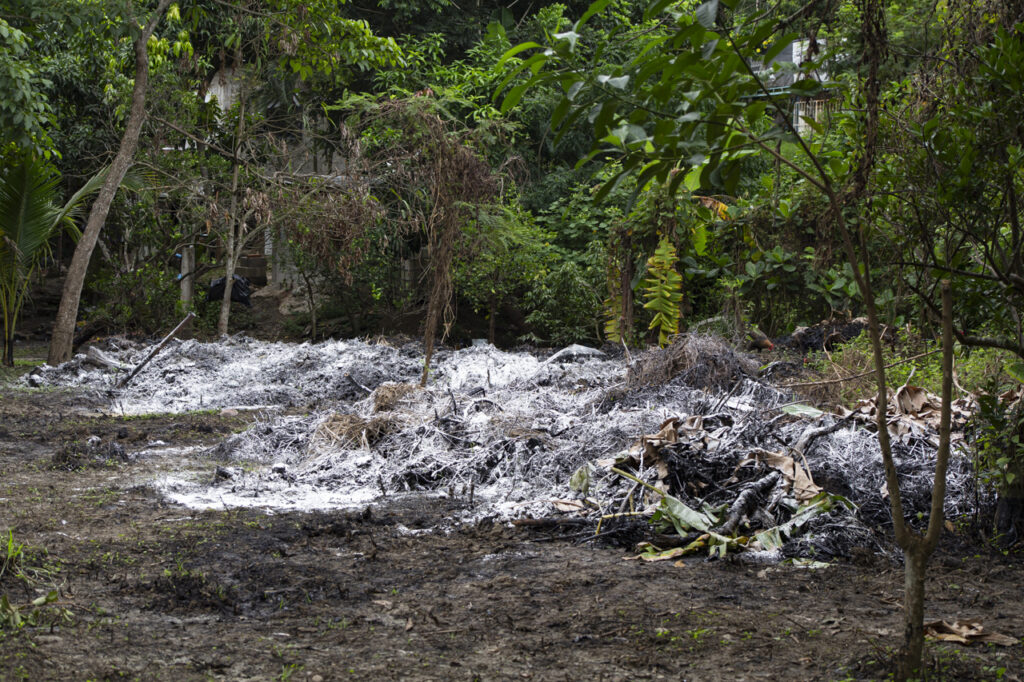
<point>663,289</point>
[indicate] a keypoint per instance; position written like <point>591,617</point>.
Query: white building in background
<point>798,52</point>
<point>224,87</point>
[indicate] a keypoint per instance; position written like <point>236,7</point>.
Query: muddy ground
<point>152,591</point>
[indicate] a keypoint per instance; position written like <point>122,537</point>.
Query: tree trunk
<point>9,347</point>
<point>229,281</point>
<point>626,290</point>
<point>915,566</point>
<point>311,301</point>
<point>441,253</point>
<point>235,223</point>
<point>492,320</point>
<point>188,284</point>
<point>67,312</point>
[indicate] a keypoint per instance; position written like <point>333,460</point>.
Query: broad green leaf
<point>719,545</point>
<point>656,8</point>
<point>683,518</point>
<point>513,97</point>
<point>700,239</point>
<point>595,8</point>
<point>692,180</point>
<point>707,13</point>
<point>513,51</point>
<point>561,109</point>
<point>839,167</point>
<point>813,124</point>
<point>780,44</point>
<point>806,86</point>
<point>569,36</point>
<point>801,410</point>
<point>823,502</point>
<point>1016,370</point>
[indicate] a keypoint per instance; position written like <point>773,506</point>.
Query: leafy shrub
<point>564,306</point>
<point>145,299</point>
<point>999,439</point>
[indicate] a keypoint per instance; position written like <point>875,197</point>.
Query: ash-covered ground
<point>502,434</point>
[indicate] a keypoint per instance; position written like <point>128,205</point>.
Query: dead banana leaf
<point>965,632</point>
<point>914,412</point>
<point>822,503</point>
<point>650,552</point>
<point>804,487</point>
<point>568,505</point>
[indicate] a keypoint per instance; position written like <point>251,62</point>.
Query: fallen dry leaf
<point>804,487</point>
<point>568,505</point>
<point>965,632</point>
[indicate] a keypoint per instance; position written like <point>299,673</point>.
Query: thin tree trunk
<point>9,347</point>
<point>914,568</point>
<point>8,330</point>
<point>492,320</point>
<point>311,301</point>
<point>441,254</point>
<point>235,223</point>
<point>919,548</point>
<point>67,313</point>
<point>188,284</point>
<point>229,276</point>
<point>626,291</point>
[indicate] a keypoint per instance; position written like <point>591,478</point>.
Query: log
<point>746,502</point>
<point>90,330</point>
<point>810,434</point>
<point>157,349</point>
<point>668,541</point>
<point>549,522</point>
<point>98,357</point>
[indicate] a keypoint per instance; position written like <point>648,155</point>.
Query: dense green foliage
<point>700,150</point>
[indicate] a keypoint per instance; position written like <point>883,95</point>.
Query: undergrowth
<point>27,569</point>
<point>920,364</point>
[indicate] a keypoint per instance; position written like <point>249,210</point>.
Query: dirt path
<point>154,591</point>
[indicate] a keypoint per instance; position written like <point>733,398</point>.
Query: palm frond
<point>28,214</point>
<point>74,209</point>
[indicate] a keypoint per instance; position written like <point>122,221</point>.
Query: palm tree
<point>29,217</point>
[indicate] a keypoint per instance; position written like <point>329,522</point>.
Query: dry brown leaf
<point>568,505</point>
<point>804,487</point>
<point>965,632</point>
<point>910,399</point>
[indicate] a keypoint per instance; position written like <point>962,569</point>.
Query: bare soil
<point>152,591</point>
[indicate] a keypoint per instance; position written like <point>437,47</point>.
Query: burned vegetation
<point>680,451</point>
